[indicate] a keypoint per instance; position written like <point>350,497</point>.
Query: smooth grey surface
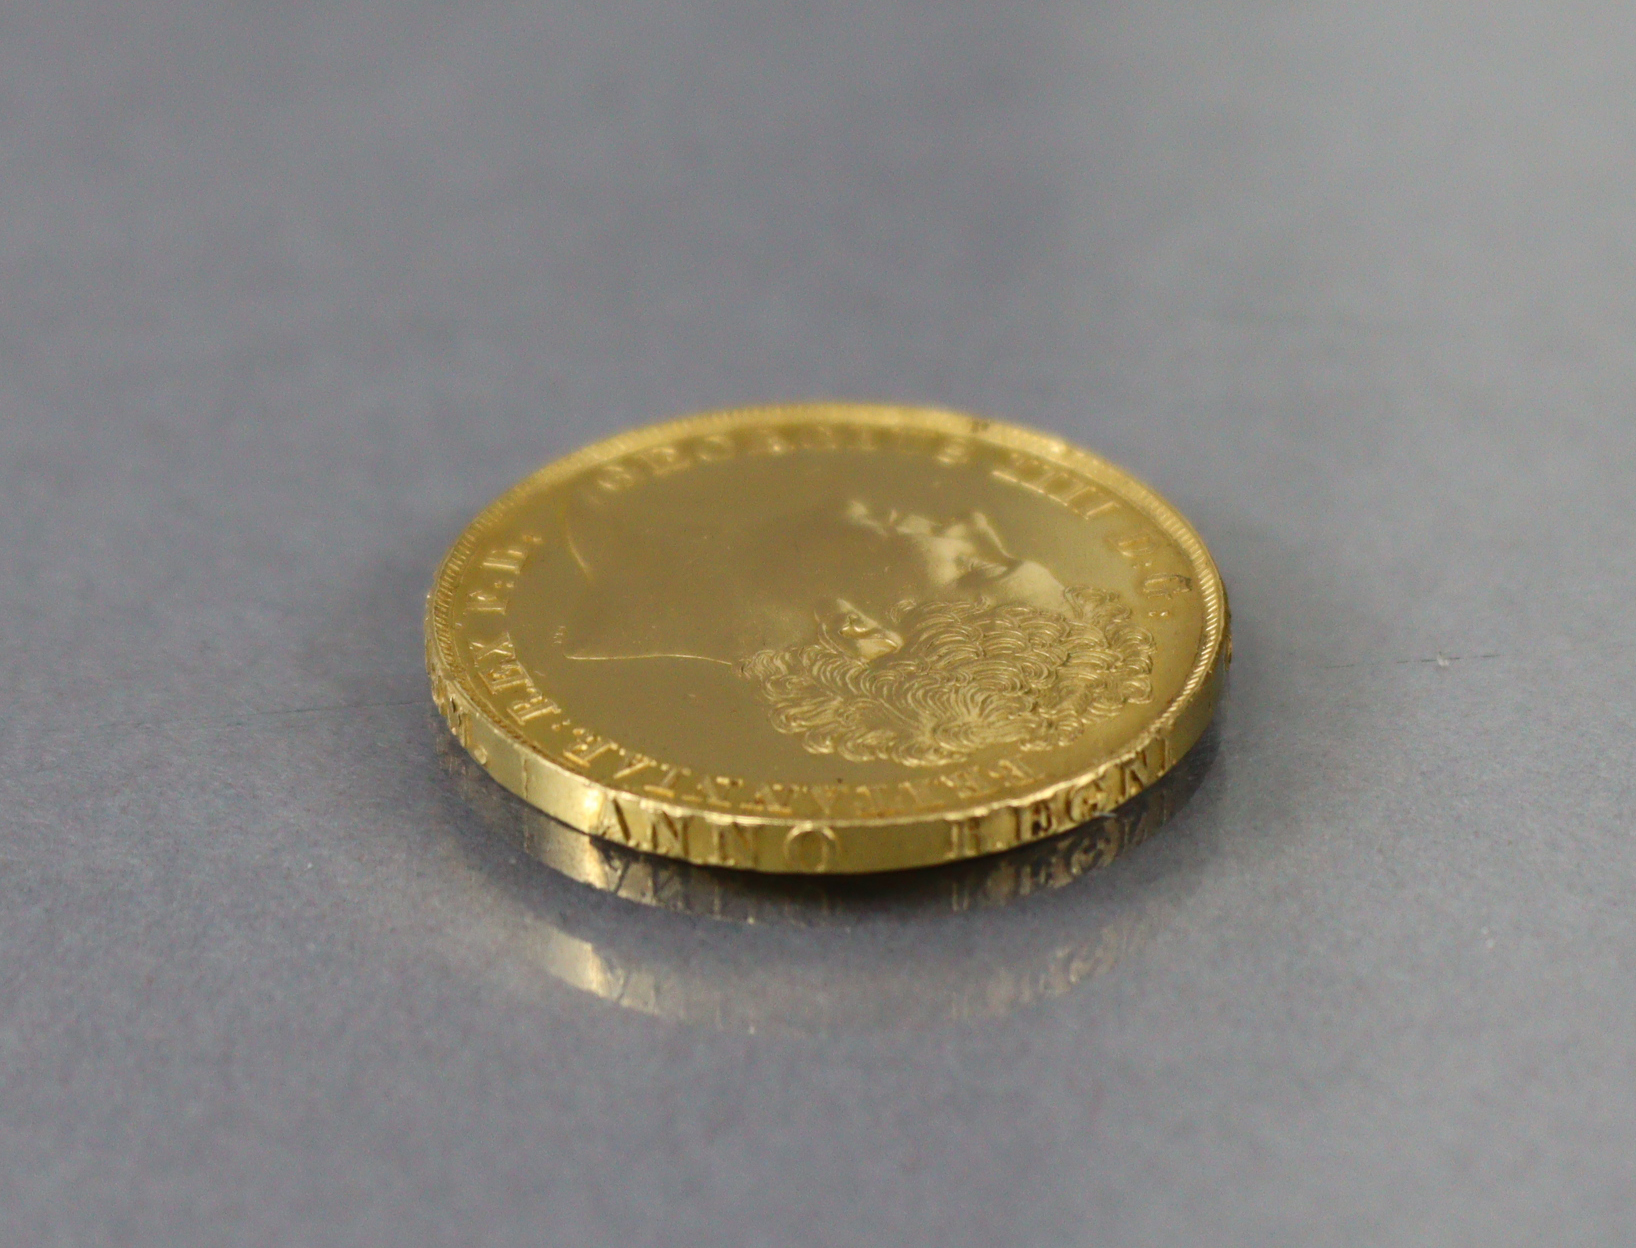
<point>288,291</point>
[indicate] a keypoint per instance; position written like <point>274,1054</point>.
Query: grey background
<point>288,291</point>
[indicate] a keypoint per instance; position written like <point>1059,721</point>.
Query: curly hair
<point>969,676</point>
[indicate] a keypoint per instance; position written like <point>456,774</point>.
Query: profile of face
<point>838,572</point>
<point>868,632</point>
<point>900,559</point>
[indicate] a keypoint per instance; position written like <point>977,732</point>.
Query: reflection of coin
<point>969,940</point>
<point>827,638</point>
<point>795,981</point>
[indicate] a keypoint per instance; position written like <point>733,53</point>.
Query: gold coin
<point>827,637</point>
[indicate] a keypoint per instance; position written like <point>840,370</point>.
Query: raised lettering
<point>968,782</point>
<point>1166,586</point>
<point>1008,770</point>
<point>1093,505</point>
<point>808,847</point>
<point>1075,493</point>
<point>769,799</point>
<point>499,648</point>
<point>716,447</point>
<point>638,763</point>
<point>667,783</point>
<point>1017,469</point>
<point>508,675</point>
<point>1065,489</point>
<point>1134,545</point>
<point>613,823</point>
<point>816,438</point>
<point>870,798</point>
<point>1036,820</point>
<point>768,442</point>
<point>663,460</point>
<point>587,748</point>
<point>1088,801</point>
<point>508,559</point>
<point>733,845</point>
<point>616,477</point>
<point>1146,767</point>
<point>824,796</point>
<point>669,834</point>
<point>913,794</point>
<point>714,790</point>
<point>536,707</point>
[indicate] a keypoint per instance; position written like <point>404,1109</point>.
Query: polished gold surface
<point>827,638</point>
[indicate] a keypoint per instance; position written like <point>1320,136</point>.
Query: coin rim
<point>457,696</point>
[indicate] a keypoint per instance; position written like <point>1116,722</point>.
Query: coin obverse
<point>827,637</point>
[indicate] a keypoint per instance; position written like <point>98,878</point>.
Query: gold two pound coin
<point>827,637</point>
